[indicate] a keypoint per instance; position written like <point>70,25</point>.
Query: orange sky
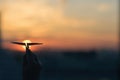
<point>78,24</point>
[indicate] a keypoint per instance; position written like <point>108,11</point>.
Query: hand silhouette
<point>31,66</point>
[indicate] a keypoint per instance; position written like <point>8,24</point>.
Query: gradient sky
<point>63,24</point>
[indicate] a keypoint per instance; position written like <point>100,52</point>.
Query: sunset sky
<point>62,24</point>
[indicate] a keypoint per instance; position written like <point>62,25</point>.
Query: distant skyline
<point>62,24</point>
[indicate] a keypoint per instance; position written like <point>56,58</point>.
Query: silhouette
<point>26,44</point>
<point>31,64</point>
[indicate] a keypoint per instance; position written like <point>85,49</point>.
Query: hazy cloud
<point>104,7</point>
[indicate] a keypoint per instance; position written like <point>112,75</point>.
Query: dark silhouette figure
<point>31,66</point>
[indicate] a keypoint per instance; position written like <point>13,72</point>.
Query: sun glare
<point>26,41</point>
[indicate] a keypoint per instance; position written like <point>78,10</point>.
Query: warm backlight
<point>26,41</point>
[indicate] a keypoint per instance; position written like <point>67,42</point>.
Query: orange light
<point>26,41</point>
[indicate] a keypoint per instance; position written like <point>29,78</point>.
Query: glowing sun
<point>26,41</point>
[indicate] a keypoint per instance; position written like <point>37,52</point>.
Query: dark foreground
<point>58,65</point>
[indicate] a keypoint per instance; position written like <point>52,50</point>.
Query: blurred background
<point>80,38</point>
